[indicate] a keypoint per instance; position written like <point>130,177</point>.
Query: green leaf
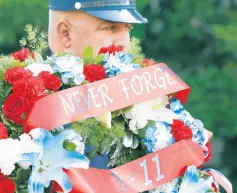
<point>5,121</point>
<point>136,153</point>
<point>88,55</point>
<point>69,146</point>
<point>141,133</point>
<point>13,135</point>
<point>22,191</point>
<point>84,82</point>
<point>117,120</point>
<point>91,154</point>
<point>23,174</point>
<point>99,59</point>
<point>150,124</point>
<point>15,130</point>
<point>5,89</point>
<point>119,112</point>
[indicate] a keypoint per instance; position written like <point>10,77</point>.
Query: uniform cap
<point>123,11</point>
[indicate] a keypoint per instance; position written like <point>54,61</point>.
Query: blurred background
<point>197,39</point>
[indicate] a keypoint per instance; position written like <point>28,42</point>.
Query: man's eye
<point>110,28</point>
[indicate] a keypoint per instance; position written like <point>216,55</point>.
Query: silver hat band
<point>108,3</point>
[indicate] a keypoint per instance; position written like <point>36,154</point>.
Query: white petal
<point>38,68</point>
<point>142,123</point>
<point>132,123</point>
<point>163,114</point>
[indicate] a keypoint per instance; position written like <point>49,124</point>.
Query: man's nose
<point>122,40</point>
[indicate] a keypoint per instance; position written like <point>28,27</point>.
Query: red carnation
<point>14,106</point>
<point>111,49</point>
<point>51,82</point>
<point>22,54</point>
<point>56,187</point>
<point>17,73</point>
<point>148,62</point>
<point>180,131</point>
<point>214,187</point>
<point>3,131</point>
<point>6,185</point>
<point>94,72</point>
<point>209,156</point>
<point>31,89</point>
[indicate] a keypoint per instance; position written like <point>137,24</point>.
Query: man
<point>74,25</point>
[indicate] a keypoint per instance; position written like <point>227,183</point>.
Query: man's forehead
<point>83,17</point>
<point>77,17</point>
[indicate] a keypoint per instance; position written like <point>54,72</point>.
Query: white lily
<point>153,110</point>
<point>192,183</point>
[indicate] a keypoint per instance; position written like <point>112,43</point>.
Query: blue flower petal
<point>66,77</point>
<point>191,175</point>
<point>154,136</point>
<point>70,67</point>
<point>48,164</point>
<point>73,159</point>
<point>122,63</point>
<point>62,179</point>
<point>30,157</point>
<point>193,183</point>
<point>35,187</point>
<point>176,105</point>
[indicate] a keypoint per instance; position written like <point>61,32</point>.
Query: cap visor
<point>123,16</point>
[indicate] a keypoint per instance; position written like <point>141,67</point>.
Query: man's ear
<point>63,30</point>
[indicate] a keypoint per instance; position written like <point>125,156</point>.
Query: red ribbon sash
<point>94,99</point>
<point>143,174</point>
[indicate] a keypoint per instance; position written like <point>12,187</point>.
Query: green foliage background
<point>197,39</point>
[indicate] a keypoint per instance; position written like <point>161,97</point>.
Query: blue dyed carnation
<point>197,127</point>
<point>119,63</point>
<point>157,137</point>
<point>176,105</point>
<point>70,67</point>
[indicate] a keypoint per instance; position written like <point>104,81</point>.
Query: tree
<point>197,39</point>
<point>15,15</point>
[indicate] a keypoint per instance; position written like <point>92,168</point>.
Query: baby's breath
<point>36,40</point>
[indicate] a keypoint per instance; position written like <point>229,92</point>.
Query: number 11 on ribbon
<point>159,175</point>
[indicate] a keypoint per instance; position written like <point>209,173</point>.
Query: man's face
<point>87,30</point>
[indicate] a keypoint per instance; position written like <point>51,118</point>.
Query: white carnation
<point>38,68</point>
